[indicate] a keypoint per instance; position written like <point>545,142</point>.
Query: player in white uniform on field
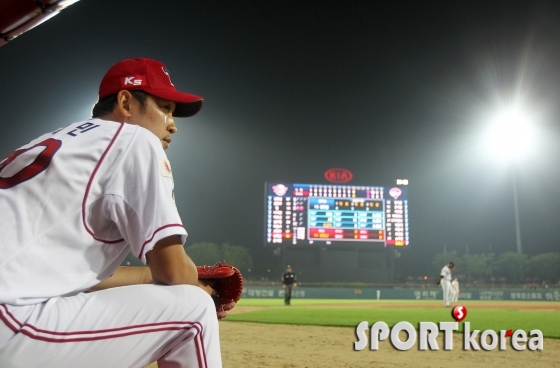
<point>73,203</point>
<point>455,290</point>
<point>445,281</point>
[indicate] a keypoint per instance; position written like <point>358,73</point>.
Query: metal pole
<point>516,210</point>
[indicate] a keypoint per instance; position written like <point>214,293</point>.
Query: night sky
<point>386,89</point>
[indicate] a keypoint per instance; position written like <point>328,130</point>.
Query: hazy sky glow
<point>394,89</point>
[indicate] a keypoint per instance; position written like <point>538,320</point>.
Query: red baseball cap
<point>152,77</point>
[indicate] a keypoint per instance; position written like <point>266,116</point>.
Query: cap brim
<point>187,104</point>
<point>185,110</point>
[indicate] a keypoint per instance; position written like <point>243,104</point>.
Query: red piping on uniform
<point>201,346</point>
<point>60,337</point>
<point>154,234</point>
<point>5,320</point>
<point>21,325</point>
<point>89,185</point>
<point>80,339</point>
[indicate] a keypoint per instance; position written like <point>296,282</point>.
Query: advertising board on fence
<point>251,291</point>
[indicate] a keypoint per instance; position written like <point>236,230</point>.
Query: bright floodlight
<point>510,135</point>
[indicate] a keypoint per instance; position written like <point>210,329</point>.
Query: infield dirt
<point>290,346</point>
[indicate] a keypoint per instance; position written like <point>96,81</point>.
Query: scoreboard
<point>303,214</point>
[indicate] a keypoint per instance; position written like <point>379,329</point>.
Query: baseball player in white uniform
<point>455,290</point>
<point>445,281</point>
<point>73,203</point>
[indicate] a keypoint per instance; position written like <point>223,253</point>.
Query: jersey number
<point>41,162</point>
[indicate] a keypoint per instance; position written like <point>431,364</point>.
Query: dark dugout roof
<point>19,16</point>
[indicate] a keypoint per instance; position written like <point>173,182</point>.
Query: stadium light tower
<point>510,136</point>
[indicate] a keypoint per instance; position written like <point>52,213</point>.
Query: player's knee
<point>195,297</point>
<point>205,299</point>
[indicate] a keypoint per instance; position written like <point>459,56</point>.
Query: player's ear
<point>124,101</point>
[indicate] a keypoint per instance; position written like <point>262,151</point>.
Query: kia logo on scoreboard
<point>338,175</point>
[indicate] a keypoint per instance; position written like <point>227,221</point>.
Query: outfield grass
<point>307,312</point>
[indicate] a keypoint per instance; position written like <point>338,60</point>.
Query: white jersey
<point>446,273</point>
<point>74,202</point>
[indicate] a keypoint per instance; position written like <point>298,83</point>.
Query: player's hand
<point>283,286</point>
<point>208,286</point>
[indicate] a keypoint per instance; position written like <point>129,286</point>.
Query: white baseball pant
<point>454,294</point>
<point>129,326</point>
<point>447,290</point>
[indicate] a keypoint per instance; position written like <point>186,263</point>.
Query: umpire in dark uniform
<point>288,282</point>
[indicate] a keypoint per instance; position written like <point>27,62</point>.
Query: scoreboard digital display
<point>304,214</point>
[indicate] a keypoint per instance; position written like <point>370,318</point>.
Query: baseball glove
<point>228,283</point>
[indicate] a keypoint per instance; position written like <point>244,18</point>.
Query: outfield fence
<point>255,291</point>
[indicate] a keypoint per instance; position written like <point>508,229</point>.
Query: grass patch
<point>307,312</point>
